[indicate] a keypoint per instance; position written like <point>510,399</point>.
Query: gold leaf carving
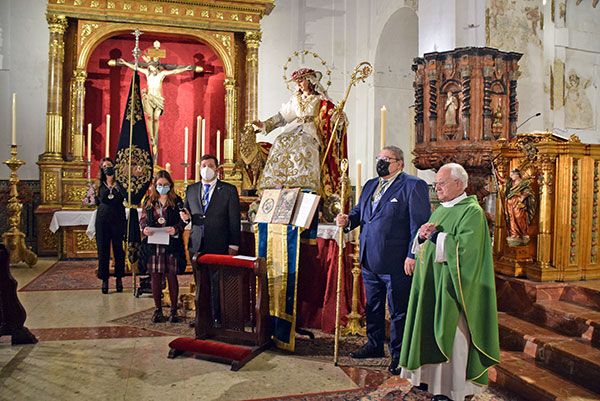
<point>219,15</point>
<point>174,11</point>
<point>60,1</point>
<point>158,9</point>
<point>50,186</point>
<point>127,6</point>
<point>205,14</point>
<point>87,30</point>
<point>189,13</point>
<point>49,239</point>
<point>249,18</point>
<point>77,2</point>
<point>110,5</point>
<point>95,4</point>
<point>225,40</point>
<point>83,242</point>
<point>235,17</point>
<point>75,194</point>
<point>143,7</point>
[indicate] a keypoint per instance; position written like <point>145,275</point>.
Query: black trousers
<point>110,232</point>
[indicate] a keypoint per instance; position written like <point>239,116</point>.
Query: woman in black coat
<point>161,209</point>
<point>110,224</point>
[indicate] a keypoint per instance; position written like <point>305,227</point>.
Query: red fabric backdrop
<point>187,95</point>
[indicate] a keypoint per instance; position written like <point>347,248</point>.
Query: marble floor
<point>82,355</point>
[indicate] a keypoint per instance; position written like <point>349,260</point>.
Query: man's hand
<point>171,230</point>
<point>184,215</point>
<point>426,230</point>
<point>147,231</point>
<point>409,266</point>
<point>232,251</point>
<point>259,124</point>
<point>341,220</point>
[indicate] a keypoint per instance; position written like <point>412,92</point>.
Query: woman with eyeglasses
<point>110,224</point>
<point>161,210</point>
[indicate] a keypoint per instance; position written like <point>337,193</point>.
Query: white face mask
<point>207,173</point>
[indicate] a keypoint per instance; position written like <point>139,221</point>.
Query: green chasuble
<point>462,284</point>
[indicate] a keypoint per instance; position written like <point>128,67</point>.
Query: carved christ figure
<point>152,98</point>
<point>451,107</point>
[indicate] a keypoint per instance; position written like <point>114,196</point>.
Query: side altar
<point>219,38</point>
<point>547,220</point>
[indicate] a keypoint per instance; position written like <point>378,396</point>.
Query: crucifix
<point>153,101</point>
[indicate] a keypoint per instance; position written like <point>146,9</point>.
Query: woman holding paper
<point>110,223</point>
<point>160,217</point>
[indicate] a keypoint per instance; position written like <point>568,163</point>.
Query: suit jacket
<point>387,232</point>
<point>214,231</point>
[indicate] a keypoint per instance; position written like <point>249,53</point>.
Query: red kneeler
<point>241,331</point>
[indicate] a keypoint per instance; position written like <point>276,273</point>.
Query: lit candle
<point>185,145</point>
<point>203,150</point>
<point>358,180</point>
<point>218,145</point>
<point>14,119</point>
<point>383,124</point>
<point>198,138</point>
<point>107,149</point>
<point>89,143</point>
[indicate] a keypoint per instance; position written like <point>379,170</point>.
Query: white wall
<point>23,70</point>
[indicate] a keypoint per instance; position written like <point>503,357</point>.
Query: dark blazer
<point>214,231</point>
<point>387,232</point>
<point>111,210</point>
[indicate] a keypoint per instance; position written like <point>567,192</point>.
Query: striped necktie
<point>379,192</point>
<point>205,194</point>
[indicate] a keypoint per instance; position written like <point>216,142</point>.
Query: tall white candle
<point>203,150</point>
<point>89,143</point>
<point>168,167</point>
<point>107,149</point>
<point>185,145</point>
<point>198,138</point>
<point>358,180</point>
<point>383,125</point>
<point>14,119</point>
<point>218,145</point>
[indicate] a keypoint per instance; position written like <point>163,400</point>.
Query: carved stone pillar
<point>252,42</point>
<point>229,172</point>
<point>513,112</point>
<point>546,180</point>
<point>57,25</point>
<point>77,114</point>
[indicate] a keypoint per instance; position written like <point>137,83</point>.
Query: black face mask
<point>109,171</point>
<point>383,168</point>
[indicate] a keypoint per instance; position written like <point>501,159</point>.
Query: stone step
<point>583,293</point>
<point>572,358</point>
<point>568,319</point>
<point>520,374</point>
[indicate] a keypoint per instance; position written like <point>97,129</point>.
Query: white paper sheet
<point>159,236</point>
<point>243,257</point>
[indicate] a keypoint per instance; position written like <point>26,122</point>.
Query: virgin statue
<point>307,119</point>
<point>520,207</point>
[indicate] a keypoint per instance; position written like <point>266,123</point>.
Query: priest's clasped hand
<point>427,230</point>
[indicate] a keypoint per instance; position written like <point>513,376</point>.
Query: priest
<point>451,333</point>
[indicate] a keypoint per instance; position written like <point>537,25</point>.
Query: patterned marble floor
<point>84,354</point>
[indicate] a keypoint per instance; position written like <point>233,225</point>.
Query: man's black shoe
<point>440,397</point>
<point>367,352</point>
<point>394,368</point>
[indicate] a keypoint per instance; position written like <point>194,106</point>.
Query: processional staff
<point>361,71</point>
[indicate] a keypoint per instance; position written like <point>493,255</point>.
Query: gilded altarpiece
<point>565,178</point>
<point>229,28</point>
<point>465,99</point>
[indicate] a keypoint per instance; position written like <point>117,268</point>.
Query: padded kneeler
<point>236,355</point>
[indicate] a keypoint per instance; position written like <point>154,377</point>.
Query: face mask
<point>383,168</point>
<point>207,173</point>
<point>110,171</point>
<point>163,189</point>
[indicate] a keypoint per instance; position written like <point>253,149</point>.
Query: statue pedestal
<point>516,261</point>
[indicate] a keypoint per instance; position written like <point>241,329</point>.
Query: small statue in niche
<point>497,120</point>
<point>451,107</point>
<point>520,207</point>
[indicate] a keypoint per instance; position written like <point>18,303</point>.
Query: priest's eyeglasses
<point>443,183</point>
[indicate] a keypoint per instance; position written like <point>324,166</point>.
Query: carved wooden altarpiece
<point>565,178</point>
<point>229,28</point>
<point>465,99</point>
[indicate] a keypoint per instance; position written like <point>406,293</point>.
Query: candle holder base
<point>14,241</point>
<point>354,326</point>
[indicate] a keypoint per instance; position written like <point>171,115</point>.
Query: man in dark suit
<point>214,206</point>
<point>390,211</point>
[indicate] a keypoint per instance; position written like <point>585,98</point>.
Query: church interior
<point>509,89</point>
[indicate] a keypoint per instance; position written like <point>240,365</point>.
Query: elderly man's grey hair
<point>457,171</point>
<point>398,153</point>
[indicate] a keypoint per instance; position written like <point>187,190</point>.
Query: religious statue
<point>308,120</point>
<point>450,107</point>
<point>153,101</point>
<point>497,120</point>
<point>520,208</point>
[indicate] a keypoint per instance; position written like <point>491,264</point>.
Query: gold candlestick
<point>354,326</point>
<point>14,239</point>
